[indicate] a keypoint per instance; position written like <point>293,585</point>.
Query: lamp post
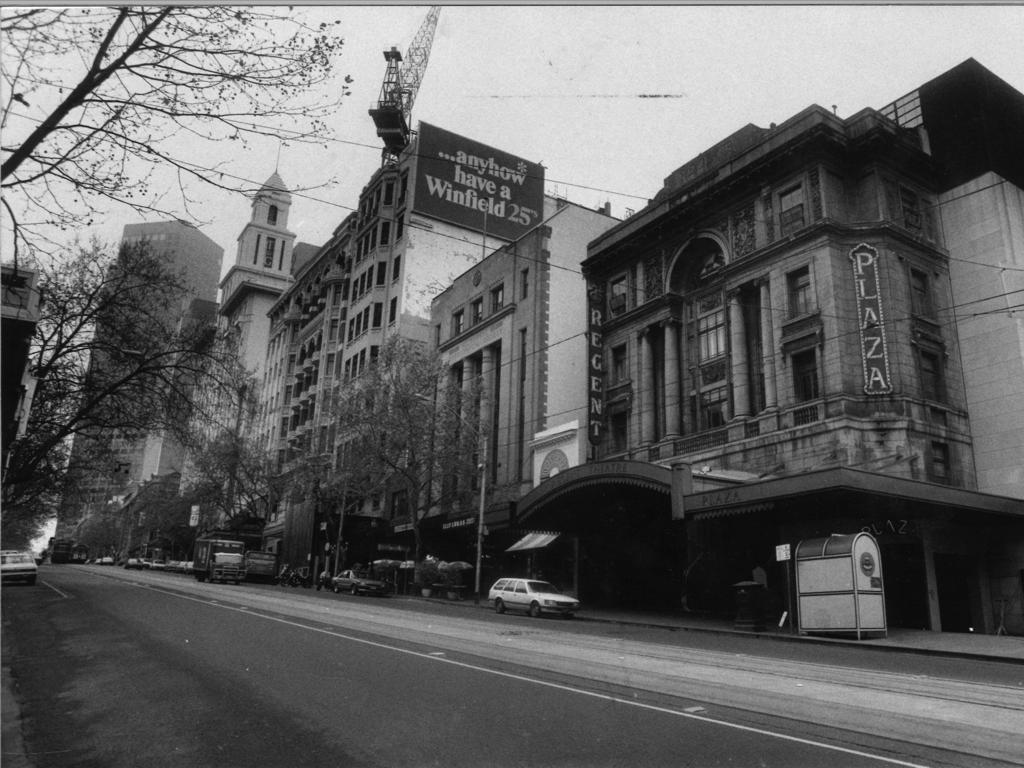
<point>480,524</point>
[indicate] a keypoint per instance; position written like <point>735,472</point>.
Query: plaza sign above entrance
<point>870,320</point>
<point>475,186</point>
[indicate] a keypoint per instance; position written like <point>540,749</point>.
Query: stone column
<point>468,379</point>
<point>647,399</point>
<point>771,398</point>
<point>738,357</point>
<point>673,426</point>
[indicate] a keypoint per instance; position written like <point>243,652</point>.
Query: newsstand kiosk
<point>839,586</point>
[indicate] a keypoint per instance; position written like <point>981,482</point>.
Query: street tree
<point>404,428</point>
<point>117,353</point>
<point>96,100</point>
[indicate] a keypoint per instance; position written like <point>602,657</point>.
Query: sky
<point>610,99</point>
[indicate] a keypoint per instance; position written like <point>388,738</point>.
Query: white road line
<point>65,595</point>
<point>432,656</point>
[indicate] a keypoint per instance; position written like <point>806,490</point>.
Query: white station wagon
<point>534,597</point>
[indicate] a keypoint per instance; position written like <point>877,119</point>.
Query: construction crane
<point>402,79</point>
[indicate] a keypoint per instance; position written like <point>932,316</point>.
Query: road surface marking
<point>65,595</point>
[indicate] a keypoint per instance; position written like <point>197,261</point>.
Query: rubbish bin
<point>750,606</point>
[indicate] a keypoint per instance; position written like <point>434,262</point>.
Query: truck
<point>260,566</point>
<point>219,560</point>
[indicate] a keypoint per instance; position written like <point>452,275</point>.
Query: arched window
<point>272,215</point>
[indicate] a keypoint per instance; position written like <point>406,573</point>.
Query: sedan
<point>133,563</point>
<point>18,566</point>
<point>350,581</point>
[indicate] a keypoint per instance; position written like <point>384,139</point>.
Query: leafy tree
<point>115,352</point>
<point>404,427</point>
<point>97,99</point>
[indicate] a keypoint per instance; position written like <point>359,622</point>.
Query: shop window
<point>711,335</point>
<point>476,310</point>
<point>930,371</point>
<point>798,287</point>
<point>791,210</point>
<point>805,375</point>
<point>497,298</point>
<point>921,294</point>
<point>620,367</point>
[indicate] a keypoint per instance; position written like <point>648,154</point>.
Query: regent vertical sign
<point>476,186</point>
<point>870,320</point>
<point>595,364</point>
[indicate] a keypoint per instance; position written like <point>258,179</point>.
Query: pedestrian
<point>325,579</point>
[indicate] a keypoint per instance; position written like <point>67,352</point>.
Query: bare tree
<point>116,352</point>
<point>406,429</point>
<point>94,97</point>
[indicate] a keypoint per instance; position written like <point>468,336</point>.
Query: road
<point>117,668</point>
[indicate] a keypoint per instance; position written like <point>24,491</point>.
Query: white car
<point>17,566</point>
<point>534,597</point>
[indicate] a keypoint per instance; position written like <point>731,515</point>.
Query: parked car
<point>534,597</point>
<point>133,563</point>
<point>17,566</point>
<point>350,581</point>
<point>158,565</point>
<point>106,560</point>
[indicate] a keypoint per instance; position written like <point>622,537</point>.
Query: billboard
<point>467,183</point>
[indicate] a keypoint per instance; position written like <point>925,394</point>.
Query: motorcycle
<point>299,577</point>
<point>283,578</point>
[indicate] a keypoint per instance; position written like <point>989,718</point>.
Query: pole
<point>341,527</point>
<point>480,523</point>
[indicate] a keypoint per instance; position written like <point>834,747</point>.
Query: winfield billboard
<point>475,186</point>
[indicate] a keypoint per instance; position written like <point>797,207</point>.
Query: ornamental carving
<point>743,231</point>
<point>769,218</point>
<point>710,302</point>
<point>709,374</point>
<point>654,284</point>
<point>815,183</point>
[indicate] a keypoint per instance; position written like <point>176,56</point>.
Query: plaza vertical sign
<point>476,186</point>
<point>870,320</point>
<point>595,363</point>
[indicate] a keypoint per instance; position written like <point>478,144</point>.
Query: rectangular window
<point>256,253</point>
<point>712,407</point>
<point>497,298</point>
<point>524,283</point>
<point>382,272</point>
<point>378,314</point>
<point>791,210</point>
<point>620,371</point>
<point>288,393</point>
<point>396,267</point>
<point>805,375</point>
<point>798,284</point>
<point>400,225</point>
<point>921,294</point>
<point>385,232</point>
<point>938,462</point>
<point>330,365</point>
<point>711,335</point>
<point>268,254</point>
<point>458,322</point>
<point>291,364</point>
<point>617,296</point>
<point>332,334</point>
<point>929,364</point>
<point>389,193</point>
<point>476,310</point>
<point>392,309</point>
<point>910,204</point>
<point>373,238</point>
<point>618,423</point>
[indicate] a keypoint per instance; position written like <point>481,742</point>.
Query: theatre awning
<point>533,541</point>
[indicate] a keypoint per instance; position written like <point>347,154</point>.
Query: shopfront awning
<point>533,541</point>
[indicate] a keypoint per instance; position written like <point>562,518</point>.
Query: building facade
<point>20,307</point>
<point>780,360</point>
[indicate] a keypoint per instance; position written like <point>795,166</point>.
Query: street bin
<point>839,586</point>
<point>750,606</point>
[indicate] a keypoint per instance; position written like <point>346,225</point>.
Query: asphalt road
<point>118,668</point>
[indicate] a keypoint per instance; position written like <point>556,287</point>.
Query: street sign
<point>782,553</point>
<point>193,520</point>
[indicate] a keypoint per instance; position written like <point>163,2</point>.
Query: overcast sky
<point>610,99</point>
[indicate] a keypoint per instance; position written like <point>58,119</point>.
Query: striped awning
<point>533,541</point>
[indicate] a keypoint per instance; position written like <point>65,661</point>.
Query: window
<point>712,408</point>
<point>711,335</point>
<point>272,215</point>
<point>476,311</point>
<point>389,193</point>
<point>378,314</point>
<point>385,232</point>
<point>938,462</point>
<point>620,371</point>
<point>288,393</point>
<point>268,254</point>
<point>921,294</point>
<point>382,272</point>
<point>929,366</point>
<point>458,322</point>
<point>805,375</point>
<point>619,430</point>
<point>910,205</point>
<point>392,309</point>
<point>617,296</point>
<point>332,333</point>
<point>798,284</point>
<point>524,283</point>
<point>396,268</point>
<point>791,210</point>
<point>497,298</point>
<point>400,225</point>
